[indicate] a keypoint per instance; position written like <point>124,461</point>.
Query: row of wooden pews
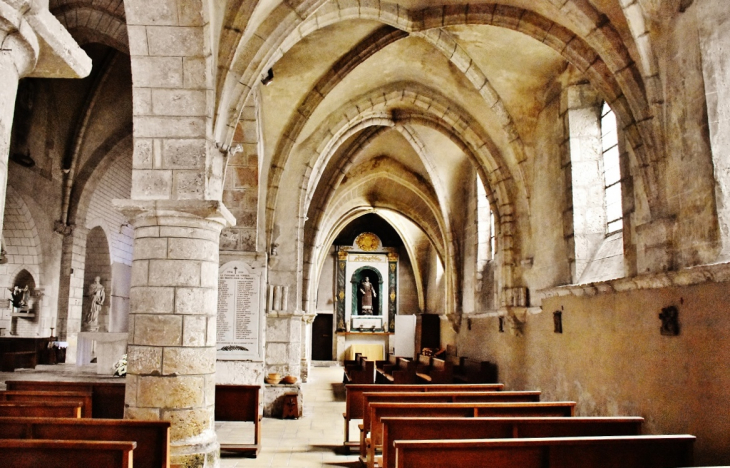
<point>38,424</point>
<point>424,369</point>
<point>407,426</point>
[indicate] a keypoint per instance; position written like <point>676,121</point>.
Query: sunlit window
<point>485,225</point>
<point>611,170</point>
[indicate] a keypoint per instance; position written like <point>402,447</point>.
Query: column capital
<point>139,212</point>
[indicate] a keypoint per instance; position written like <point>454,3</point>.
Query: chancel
<point>246,203</point>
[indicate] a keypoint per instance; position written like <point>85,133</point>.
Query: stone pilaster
<point>172,322</point>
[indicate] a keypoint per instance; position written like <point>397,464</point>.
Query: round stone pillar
<point>172,322</point>
<point>18,55</point>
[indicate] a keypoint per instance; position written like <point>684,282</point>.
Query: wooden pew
<point>152,437</point>
<point>354,392</point>
<point>443,397</point>
<point>440,372</point>
<point>472,371</point>
<point>107,398</point>
<point>364,374</point>
<point>499,428</point>
<point>239,403</point>
<point>432,397</point>
<point>20,395</point>
<point>378,411</point>
<point>18,359</point>
<point>403,372</point>
<point>18,453</point>
<point>559,452</point>
<point>40,409</point>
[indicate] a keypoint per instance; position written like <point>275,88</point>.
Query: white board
<point>405,336</point>
<point>239,322</point>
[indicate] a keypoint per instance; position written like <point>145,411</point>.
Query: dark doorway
<point>322,337</point>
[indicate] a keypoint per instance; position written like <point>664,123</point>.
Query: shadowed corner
<point>338,391</point>
<point>351,464</point>
<point>336,449</point>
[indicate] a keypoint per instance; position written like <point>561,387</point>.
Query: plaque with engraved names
<point>238,322</point>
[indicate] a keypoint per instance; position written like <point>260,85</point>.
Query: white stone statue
<point>97,295</point>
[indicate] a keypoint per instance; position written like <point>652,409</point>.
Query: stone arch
<point>89,21</point>
<point>20,238</point>
<point>597,50</point>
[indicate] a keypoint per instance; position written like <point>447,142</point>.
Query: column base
<point>195,456</point>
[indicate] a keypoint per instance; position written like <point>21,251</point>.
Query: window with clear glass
<point>611,170</point>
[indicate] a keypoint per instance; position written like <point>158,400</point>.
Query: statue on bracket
<point>97,296</point>
<point>368,293</point>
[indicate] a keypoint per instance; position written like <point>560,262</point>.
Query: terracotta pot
<point>289,379</point>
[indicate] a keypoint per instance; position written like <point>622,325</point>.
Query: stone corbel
<point>41,46</point>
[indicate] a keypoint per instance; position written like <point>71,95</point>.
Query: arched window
<point>485,226</point>
<point>611,170</point>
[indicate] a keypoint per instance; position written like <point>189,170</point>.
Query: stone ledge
<point>712,273</point>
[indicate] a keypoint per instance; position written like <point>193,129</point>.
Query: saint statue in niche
<point>368,293</point>
<point>19,298</point>
<point>97,296</point>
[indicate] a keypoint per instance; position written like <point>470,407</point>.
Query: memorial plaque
<point>239,312</point>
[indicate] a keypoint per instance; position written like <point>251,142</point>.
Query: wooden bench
<point>439,372</point>
<point>40,409</point>
<point>378,411</point>
<point>18,359</point>
<point>239,403</point>
<point>559,452</point>
<point>152,437</point>
<point>499,428</point>
<point>107,398</point>
<point>472,371</point>
<point>364,373</point>
<point>81,397</point>
<point>354,397</point>
<point>19,453</point>
<point>402,372</point>
<point>433,397</point>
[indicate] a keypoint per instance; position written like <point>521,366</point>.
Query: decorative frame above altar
<point>366,257</point>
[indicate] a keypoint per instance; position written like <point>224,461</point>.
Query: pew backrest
<point>152,437</point>
<point>23,453</point>
<point>237,402</point>
<point>107,398</point>
<point>531,409</point>
<point>353,399</point>
<point>443,397</point>
<point>559,452</point>
<point>40,409</point>
<point>498,428</point>
<point>31,395</point>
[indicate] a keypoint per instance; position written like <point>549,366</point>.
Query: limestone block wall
<point>612,359</point>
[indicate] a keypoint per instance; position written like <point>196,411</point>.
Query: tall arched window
<point>611,170</point>
<point>485,226</point>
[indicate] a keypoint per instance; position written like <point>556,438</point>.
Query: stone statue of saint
<point>18,298</point>
<point>368,293</point>
<point>97,295</point>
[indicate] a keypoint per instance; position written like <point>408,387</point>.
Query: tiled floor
<point>314,440</point>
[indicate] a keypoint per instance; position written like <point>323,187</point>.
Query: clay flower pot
<point>289,379</point>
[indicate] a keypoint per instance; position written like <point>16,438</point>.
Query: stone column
<point>172,321</point>
<point>32,43</point>
<point>18,54</point>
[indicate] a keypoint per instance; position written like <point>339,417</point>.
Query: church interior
<point>228,190</point>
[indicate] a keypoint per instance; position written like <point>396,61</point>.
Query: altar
<point>366,297</point>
